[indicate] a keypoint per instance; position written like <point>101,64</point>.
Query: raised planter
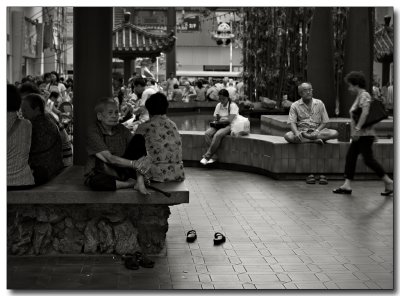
<point>65,217</point>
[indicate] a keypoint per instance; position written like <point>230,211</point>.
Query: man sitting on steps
<point>308,118</point>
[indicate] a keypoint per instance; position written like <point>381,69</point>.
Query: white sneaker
<point>211,161</point>
<point>204,161</point>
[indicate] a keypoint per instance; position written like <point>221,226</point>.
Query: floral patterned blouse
<point>164,146</point>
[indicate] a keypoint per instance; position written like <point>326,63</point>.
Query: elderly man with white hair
<point>188,92</point>
<point>308,118</point>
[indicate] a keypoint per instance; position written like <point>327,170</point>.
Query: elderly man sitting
<point>308,118</point>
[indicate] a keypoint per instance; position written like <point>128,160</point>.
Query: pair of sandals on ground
<point>219,238</point>
<point>312,180</point>
<point>134,261</point>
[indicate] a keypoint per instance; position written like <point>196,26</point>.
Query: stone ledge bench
<point>276,125</point>
<point>273,156</point>
<point>66,217</point>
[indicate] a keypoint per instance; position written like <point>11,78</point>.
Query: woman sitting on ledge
<point>163,141</point>
<point>19,131</point>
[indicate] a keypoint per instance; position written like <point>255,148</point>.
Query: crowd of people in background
<point>45,113</point>
<point>39,129</point>
<point>132,95</point>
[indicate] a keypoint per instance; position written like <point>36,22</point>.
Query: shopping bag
<point>240,126</point>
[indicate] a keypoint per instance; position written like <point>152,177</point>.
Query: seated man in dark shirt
<point>45,156</point>
<point>115,156</point>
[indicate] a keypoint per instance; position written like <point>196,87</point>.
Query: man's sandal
<point>323,180</point>
<point>219,238</point>
<point>143,260</point>
<point>310,179</point>
<point>130,262</point>
<point>191,236</point>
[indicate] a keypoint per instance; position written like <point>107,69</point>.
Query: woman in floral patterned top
<point>163,141</point>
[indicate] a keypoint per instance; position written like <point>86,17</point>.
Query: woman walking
<point>362,137</point>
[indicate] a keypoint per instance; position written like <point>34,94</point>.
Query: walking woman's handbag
<point>376,113</point>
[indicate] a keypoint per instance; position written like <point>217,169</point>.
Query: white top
<point>232,92</point>
<point>223,110</point>
<point>171,83</point>
<point>145,95</point>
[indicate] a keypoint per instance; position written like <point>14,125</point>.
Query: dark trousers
<point>102,181</point>
<point>363,146</point>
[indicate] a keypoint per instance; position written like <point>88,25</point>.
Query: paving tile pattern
<point>280,235</point>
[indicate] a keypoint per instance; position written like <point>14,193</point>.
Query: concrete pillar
<point>171,56</point>
<point>320,58</point>
<point>385,73</point>
<point>92,69</point>
<point>358,55</point>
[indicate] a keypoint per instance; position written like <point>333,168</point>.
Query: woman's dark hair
<point>27,78</point>
<point>54,94</point>
<point>46,75</point>
<point>157,104</point>
<point>28,88</point>
<point>35,101</point>
<point>356,78</point>
<point>176,86</point>
<point>13,98</point>
<point>56,74</point>
<point>224,93</point>
<point>139,81</point>
<point>199,84</point>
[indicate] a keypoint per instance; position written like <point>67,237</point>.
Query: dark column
<point>385,73</point>
<point>92,69</point>
<point>320,58</point>
<point>127,70</point>
<point>171,56</point>
<point>358,55</point>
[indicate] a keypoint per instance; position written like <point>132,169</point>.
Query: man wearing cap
<point>225,111</point>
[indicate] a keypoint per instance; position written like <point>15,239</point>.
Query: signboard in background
<point>189,24</point>
<point>32,39</point>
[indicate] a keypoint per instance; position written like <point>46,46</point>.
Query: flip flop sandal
<point>144,261</point>
<point>387,192</point>
<point>130,262</point>
<point>310,179</point>
<point>342,191</point>
<point>219,238</point>
<point>191,236</point>
<point>323,180</point>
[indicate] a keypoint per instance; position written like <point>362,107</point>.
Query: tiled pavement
<point>280,235</point>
